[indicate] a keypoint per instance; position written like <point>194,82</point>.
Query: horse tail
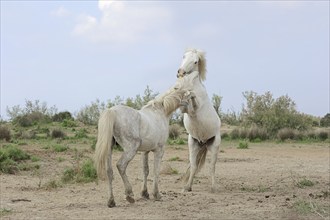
<point>200,160</point>
<point>104,142</point>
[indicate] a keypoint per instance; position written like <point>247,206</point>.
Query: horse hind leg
<point>111,201</point>
<point>145,165</point>
<point>122,164</point>
<point>158,154</point>
<point>214,149</point>
<point>193,152</point>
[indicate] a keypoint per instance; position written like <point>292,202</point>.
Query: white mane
<point>201,63</point>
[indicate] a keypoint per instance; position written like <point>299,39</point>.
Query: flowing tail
<point>104,142</point>
<point>200,159</point>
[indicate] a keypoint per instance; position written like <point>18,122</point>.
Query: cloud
<point>60,12</point>
<point>123,22</point>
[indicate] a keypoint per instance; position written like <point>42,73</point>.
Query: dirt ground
<point>266,181</point>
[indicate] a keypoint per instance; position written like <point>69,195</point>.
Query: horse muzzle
<point>181,73</point>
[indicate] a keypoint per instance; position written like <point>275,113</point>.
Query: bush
<point>30,119</point>
<point>9,156</point>
<point>311,134</point>
<point>82,133</point>
<point>225,136</point>
<point>234,134</point>
<point>90,114</point>
<point>243,133</point>
<point>61,116</point>
<point>273,114</point>
<point>57,133</point>
<point>5,133</point>
<point>243,145</point>
<point>286,133</point>
<point>323,135</point>
<point>174,131</point>
<point>59,148</point>
<point>32,113</point>
<point>255,133</point>
<point>325,121</point>
<point>69,123</point>
<point>84,174</point>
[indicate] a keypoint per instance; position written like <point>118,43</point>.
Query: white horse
<point>144,130</point>
<point>200,119</point>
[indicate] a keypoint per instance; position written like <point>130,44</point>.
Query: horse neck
<point>166,104</point>
<point>170,103</point>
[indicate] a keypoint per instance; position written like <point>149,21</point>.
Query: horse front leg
<point>145,165</point>
<point>158,155</point>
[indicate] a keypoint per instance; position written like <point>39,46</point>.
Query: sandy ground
<point>256,183</point>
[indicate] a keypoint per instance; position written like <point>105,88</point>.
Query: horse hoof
<point>111,203</point>
<point>157,197</point>
<point>186,189</point>
<point>130,199</point>
<point>145,194</point>
<point>213,190</point>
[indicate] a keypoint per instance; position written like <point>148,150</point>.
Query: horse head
<point>193,60</point>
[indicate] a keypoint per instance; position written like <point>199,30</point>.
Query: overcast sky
<point>70,53</point>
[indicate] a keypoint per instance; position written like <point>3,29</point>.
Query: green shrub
<point>9,156</point>
<point>305,182</point>
<point>82,133</point>
<point>225,136</point>
<point>61,116</point>
<point>69,123</point>
<point>325,121</point>
<point>60,148</point>
<point>68,175</point>
<point>58,133</point>
<point>30,119</point>
<point>84,174</point>
<point>5,133</point>
<point>8,166</point>
<point>88,172</point>
<point>323,135</point>
<point>16,154</point>
<point>52,184</point>
<point>243,145</point>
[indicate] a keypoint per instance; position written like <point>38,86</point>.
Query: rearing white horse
<point>200,118</point>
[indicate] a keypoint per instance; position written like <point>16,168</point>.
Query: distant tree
<point>273,114</point>
<point>90,113</point>
<point>32,113</point>
<point>61,116</point>
<point>216,101</point>
<point>148,95</point>
<point>325,121</point>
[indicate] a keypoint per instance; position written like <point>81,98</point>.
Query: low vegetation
<point>80,173</point>
<point>10,158</point>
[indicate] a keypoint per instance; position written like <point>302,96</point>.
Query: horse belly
<point>202,128</point>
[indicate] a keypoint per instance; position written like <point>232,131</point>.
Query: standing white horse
<point>200,118</point>
<point>144,130</point>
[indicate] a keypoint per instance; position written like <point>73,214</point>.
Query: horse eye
<point>195,62</point>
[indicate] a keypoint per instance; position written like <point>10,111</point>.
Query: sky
<point>70,53</point>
